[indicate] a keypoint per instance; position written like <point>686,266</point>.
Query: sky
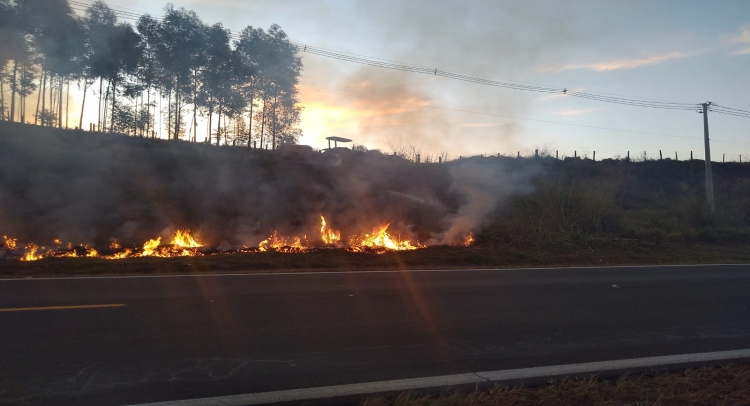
<point>683,51</point>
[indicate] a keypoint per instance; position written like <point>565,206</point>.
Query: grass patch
<point>553,253</point>
<point>720,385</point>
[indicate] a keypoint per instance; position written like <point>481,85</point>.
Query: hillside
<point>93,188</point>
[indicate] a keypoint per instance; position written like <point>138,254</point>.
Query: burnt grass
<point>594,252</point>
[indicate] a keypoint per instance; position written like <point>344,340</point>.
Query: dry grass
<point>721,385</point>
<point>593,252</point>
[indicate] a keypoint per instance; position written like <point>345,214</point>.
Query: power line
<point>517,117</point>
<point>386,64</point>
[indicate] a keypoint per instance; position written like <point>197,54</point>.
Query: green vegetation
<point>577,201</point>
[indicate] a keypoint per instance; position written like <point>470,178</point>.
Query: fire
<point>280,243</point>
<point>183,239</point>
<point>327,234</point>
<point>150,247</point>
<point>183,243</point>
<point>380,240</point>
<point>468,239</point>
<point>31,255</point>
<point>10,243</point>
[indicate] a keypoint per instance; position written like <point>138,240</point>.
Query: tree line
<point>176,66</point>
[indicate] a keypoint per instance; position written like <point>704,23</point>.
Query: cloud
<point>741,42</point>
<point>624,63</point>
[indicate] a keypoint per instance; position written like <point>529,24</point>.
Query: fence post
<point>660,158</point>
<point>536,153</point>
<point>691,155</point>
<point>519,154</point>
<point>675,155</point>
<point>628,160</point>
<point>575,154</point>
<point>594,156</point>
<point>722,157</point>
<point>556,156</point>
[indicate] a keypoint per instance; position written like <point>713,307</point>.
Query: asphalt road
<point>172,338</point>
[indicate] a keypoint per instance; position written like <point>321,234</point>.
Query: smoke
<point>93,188</point>
<point>483,186</point>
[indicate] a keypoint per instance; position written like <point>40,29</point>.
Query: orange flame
<point>327,234</point>
<point>183,239</point>
<point>468,239</point>
<point>10,243</point>
<point>381,239</point>
<point>280,243</point>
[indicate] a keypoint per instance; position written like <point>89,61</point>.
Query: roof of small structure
<point>338,139</point>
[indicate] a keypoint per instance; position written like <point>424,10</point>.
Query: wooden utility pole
<point>709,174</point>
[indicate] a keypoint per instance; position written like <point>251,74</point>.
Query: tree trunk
<point>60,104</point>
<point>273,123</point>
<point>169,114</point>
<point>83,104</point>
<point>99,119</point>
<point>106,101</point>
<point>114,98</point>
<point>148,109</point>
<point>67,101</point>
<point>250,122</point>
<point>50,121</point>
<point>218,126</point>
<point>2,99</point>
<point>177,114</point>
<point>262,124</point>
<point>44,97</point>
<point>12,114</point>
<point>38,101</point>
<point>210,121</point>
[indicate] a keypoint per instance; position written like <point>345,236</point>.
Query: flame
<point>183,243</point>
<point>31,255</point>
<point>280,243</point>
<point>120,255</point>
<point>468,239</point>
<point>183,239</point>
<point>150,248</point>
<point>380,240</point>
<point>10,243</point>
<point>327,234</point>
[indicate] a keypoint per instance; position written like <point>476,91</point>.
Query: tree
<point>180,50</point>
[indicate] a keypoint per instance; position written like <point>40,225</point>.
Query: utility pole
<point>709,175</point>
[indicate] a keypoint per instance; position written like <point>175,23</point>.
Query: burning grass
<point>720,385</point>
<point>184,244</point>
<point>557,254</point>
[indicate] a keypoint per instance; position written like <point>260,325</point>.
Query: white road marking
<point>310,273</point>
<point>325,392</point>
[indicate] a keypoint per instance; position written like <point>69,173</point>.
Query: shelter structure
<point>336,140</point>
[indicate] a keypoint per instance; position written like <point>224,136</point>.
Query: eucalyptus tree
<point>99,22</point>
<point>150,73</point>
<point>282,69</point>
<point>249,49</point>
<point>15,47</point>
<point>180,51</point>
<point>219,92</point>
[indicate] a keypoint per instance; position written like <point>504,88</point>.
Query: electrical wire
<point>386,64</point>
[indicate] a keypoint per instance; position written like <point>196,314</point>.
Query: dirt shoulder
<point>591,253</point>
<point>721,385</point>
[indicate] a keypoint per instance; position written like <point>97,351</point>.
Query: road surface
<point>129,340</point>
